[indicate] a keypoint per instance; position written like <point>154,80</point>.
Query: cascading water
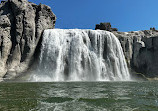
<point>81,55</point>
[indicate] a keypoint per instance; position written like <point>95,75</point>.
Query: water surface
<point>79,96</point>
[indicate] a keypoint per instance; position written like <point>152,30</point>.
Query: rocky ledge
<point>21,27</point>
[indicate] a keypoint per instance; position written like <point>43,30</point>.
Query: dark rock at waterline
<point>21,27</point>
<point>105,26</point>
<point>141,51</point>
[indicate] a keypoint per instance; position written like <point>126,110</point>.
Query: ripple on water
<point>92,96</point>
<point>57,100</point>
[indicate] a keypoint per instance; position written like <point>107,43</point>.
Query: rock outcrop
<point>21,27</point>
<point>105,26</point>
<point>141,51</point>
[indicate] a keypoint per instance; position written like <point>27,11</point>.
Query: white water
<point>81,55</point>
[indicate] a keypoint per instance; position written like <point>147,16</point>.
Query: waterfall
<point>81,55</point>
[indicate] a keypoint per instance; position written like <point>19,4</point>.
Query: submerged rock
<point>21,27</point>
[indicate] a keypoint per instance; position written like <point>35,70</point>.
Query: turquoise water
<point>79,96</point>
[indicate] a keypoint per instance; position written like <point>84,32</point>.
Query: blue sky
<point>126,15</point>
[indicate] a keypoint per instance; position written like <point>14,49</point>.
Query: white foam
<point>81,55</point>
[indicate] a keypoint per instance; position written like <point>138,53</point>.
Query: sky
<point>126,15</point>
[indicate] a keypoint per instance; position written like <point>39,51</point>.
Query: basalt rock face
<point>141,51</point>
<point>21,27</point>
<point>105,26</point>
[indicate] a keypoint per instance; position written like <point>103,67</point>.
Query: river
<point>79,96</point>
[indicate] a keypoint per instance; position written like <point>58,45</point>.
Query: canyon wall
<point>141,51</point>
<point>21,26</point>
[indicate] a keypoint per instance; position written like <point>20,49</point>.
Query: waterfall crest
<point>81,55</point>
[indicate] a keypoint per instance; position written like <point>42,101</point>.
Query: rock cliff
<point>21,27</point>
<point>141,51</point>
